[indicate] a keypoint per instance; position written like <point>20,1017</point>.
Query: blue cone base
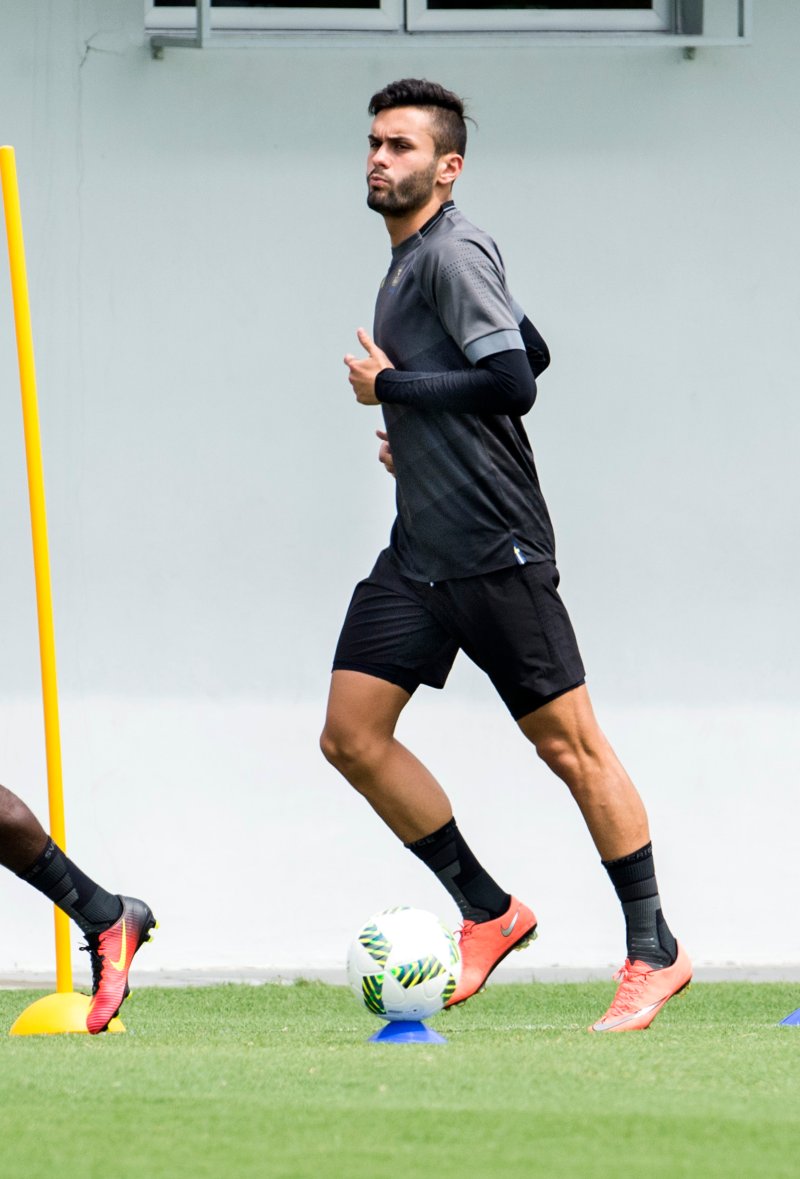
<point>792,1020</point>
<point>406,1032</point>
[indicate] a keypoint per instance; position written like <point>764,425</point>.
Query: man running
<point>471,561</point>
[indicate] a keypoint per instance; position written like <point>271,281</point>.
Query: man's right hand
<point>385,452</point>
<point>364,370</point>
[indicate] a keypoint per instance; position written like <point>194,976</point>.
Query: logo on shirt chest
<point>392,281</point>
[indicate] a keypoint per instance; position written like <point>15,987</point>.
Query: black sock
<point>648,935</point>
<point>89,905</point>
<point>447,855</point>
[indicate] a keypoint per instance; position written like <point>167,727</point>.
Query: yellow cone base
<point>65,1011</point>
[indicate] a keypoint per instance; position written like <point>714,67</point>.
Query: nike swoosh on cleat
<point>506,932</point>
<point>120,963</point>
<point>632,1015</point>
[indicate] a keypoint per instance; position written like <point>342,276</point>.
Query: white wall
<point>199,256</point>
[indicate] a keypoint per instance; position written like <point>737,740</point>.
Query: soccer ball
<point>403,964</point>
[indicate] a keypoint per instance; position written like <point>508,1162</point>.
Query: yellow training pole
<point>71,1010</point>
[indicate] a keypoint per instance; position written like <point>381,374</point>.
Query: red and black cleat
<point>112,953</point>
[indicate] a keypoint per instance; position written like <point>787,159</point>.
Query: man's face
<point>402,165</point>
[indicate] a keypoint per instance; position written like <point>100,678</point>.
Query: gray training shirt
<point>468,497</point>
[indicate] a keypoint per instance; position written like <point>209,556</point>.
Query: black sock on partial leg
<point>449,857</point>
<point>648,936</point>
<point>89,905</point>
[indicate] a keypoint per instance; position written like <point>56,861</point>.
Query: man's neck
<point>403,227</point>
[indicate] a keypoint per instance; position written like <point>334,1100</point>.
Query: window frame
<point>659,18</point>
<point>389,16</point>
<point>680,23</point>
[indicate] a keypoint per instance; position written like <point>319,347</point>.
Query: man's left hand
<point>363,371</point>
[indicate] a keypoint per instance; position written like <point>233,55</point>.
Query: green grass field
<point>281,1081</point>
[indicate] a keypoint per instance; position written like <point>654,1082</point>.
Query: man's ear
<point>449,167</point>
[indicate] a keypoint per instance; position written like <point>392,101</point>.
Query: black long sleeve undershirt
<point>504,383</point>
<point>535,348</point>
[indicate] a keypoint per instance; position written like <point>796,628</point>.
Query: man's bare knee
<point>331,745</point>
<point>559,755</point>
<point>350,750</point>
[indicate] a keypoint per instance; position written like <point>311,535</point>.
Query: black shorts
<point>511,623</point>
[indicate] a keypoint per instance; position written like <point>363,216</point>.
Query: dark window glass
<point>530,6</point>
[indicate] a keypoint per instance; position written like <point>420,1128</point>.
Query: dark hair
<point>446,108</point>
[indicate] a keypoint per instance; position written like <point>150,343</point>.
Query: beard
<point>406,196</point>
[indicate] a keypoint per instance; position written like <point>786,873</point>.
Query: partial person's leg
<point>22,837</point>
<point>112,924</point>
<point>568,738</point>
<point>358,739</point>
<point>27,849</point>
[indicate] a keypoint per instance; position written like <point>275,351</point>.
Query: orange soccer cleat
<point>112,952</point>
<point>484,944</point>
<point>642,992</point>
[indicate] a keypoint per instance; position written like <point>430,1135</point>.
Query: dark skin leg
<point>22,837</point>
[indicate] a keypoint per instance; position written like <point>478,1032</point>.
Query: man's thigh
<point>390,632</point>
<point>514,625</point>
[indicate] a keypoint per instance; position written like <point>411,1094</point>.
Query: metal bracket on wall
<point>199,41</point>
<point>689,32</point>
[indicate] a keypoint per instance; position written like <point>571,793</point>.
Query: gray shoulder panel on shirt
<point>503,341</point>
<point>461,276</point>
